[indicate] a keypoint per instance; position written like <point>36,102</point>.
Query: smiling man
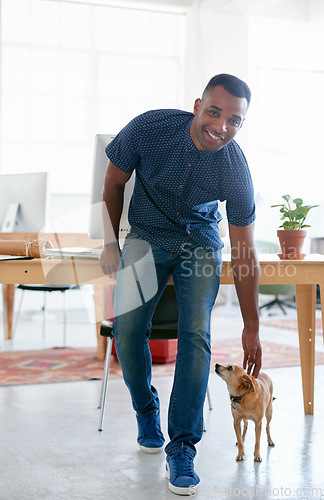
<point>184,163</point>
<point>214,126</point>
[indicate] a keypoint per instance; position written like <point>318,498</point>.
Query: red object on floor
<point>162,351</point>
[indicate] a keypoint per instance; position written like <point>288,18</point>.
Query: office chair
<point>45,289</point>
<point>164,327</point>
<point>263,246</point>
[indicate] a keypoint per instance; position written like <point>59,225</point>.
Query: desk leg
<point>8,292</point>
<point>321,287</point>
<point>306,307</point>
<point>99,300</point>
<point>103,311</point>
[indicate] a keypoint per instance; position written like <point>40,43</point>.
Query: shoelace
<point>183,463</point>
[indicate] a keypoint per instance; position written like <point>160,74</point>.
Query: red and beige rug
<point>76,364</point>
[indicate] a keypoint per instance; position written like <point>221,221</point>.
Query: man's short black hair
<point>231,84</point>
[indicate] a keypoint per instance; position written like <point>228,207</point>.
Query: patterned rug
<point>76,364</point>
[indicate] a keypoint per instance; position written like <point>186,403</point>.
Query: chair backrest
<point>164,321</point>
<point>167,308</point>
<point>166,311</point>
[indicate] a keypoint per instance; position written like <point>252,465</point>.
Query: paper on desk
<point>75,252</point>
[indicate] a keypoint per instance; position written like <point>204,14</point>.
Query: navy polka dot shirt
<point>177,187</point>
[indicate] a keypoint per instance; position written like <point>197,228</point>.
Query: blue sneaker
<point>180,471</point>
<point>150,438</point>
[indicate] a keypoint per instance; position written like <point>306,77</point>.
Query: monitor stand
<point>9,221</point>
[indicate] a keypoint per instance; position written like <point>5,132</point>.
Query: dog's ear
<point>247,383</point>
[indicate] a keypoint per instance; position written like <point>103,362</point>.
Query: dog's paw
<point>271,443</point>
<point>239,458</point>
<point>258,458</point>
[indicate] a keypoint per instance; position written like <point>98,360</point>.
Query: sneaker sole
<point>145,449</point>
<point>189,491</point>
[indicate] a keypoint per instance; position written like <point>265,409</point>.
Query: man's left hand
<point>252,352</point>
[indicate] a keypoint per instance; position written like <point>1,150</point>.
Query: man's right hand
<point>109,259</point>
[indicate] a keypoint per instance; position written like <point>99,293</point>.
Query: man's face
<point>218,118</point>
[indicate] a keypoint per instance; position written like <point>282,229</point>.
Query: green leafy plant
<point>295,216</point>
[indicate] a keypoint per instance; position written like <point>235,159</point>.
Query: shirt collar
<point>189,145</point>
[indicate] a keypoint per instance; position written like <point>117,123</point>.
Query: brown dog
<point>251,398</point>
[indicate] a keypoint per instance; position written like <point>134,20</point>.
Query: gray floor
<point>50,448</point>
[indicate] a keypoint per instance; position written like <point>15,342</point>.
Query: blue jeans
<point>143,274</point>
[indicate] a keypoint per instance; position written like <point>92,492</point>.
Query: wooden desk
<point>304,274</point>
<point>59,240</point>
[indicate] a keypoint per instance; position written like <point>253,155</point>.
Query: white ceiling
<point>296,10</point>
<point>307,10</point>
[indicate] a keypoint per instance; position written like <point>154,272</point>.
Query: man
<point>184,163</point>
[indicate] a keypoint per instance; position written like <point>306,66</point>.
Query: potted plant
<point>293,234</point>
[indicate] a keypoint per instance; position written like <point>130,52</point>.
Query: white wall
<point>264,39</point>
<point>210,49</point>
<point>216,43</point>
<point>277,48</point>
<point>221,37</point>
<point>286,133</point>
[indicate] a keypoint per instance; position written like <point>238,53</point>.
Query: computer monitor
<point>100,162</point>
<point>23,202</point>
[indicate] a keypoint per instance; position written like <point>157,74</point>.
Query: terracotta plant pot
<point>291,242</point>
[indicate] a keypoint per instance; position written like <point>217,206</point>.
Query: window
<point>72,70</point>
<point>287,108</point>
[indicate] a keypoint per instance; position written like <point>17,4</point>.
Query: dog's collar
<point>238,399</point>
